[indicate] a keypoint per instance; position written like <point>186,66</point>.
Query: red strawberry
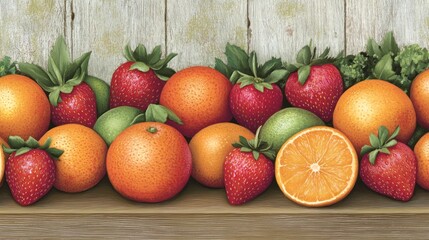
<point>76,107</point>
<point>389,167</point>
<point>315,84</point>
<point>72,100</point>
<point>138,82</point>
<point>247,173</point>
<point>255,96</point>
<point>30,169</point>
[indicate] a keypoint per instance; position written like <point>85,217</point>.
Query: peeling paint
<point>289,9</point>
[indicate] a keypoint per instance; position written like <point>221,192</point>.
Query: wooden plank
<point>408,19</point>
<point>105,26</point>
<point>198,30</point>
<point>203,213</point>
<point>29,28</point>
<point>281,28</point>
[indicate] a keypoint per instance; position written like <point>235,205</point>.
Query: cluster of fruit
<point>237,126</point>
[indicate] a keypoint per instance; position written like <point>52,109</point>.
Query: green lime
<point>102,93</point>
<point>285,123</point>
<point>113,122</point>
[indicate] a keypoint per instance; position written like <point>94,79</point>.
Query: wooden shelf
<point>204,213</point>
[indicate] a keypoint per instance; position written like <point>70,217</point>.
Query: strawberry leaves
<point>159,113</point>
<point>62,73</point>
<point>243,68</point>
<point>256,146</point>
<point>19,146</point>
<point>306,58</point>
<point>7,66</point>
<point>382,143</point>
<point>144,61</point>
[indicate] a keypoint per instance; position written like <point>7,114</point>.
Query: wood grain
<point>408,19</point>
<point>281,28</point>
<point>198,30</point>
<point>204,213</point>
<point>29,28</point>
<point>105,26</point>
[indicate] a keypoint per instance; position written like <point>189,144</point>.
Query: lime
<point>113,122</point>
<point>285,123</point>
<point>102,93</point>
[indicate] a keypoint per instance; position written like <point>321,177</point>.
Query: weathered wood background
<point>199,29</point>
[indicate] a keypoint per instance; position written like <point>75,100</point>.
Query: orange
<point>421,150</point>
<point>24,107</point>
<point>3,157</point>
<point>83,163</point>
<point>199,96</point>
<point>419,94</point>
<point>209,148</point>
<point>317,167</point>
<point>369,104</point>
<point>149,162</point>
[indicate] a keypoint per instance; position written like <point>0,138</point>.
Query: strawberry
<point>247,172</point>
<point>255,95</point>
<point>30,169</point>
<point>72,100</point>
<point>314,84</point>
<point>139,81</point>
<point>389,167</point>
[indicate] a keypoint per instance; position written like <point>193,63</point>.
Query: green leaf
<point>324,53</point>
<point>81,62</point>
<point>55,152</point>
<point>7,66</point>
<point>270,66</point>
<point>258,87</point>
<point>8,150</point>
<point>139,54</point>
<point>394,134</point>
<point>163,62</point>
<point>16,142</point>
<point>77,79</point>
<point>390,143</point>
<point>37,73</point>
<point>60,54</point>
<point>254,64</point>
<point>237,58</point>
<point>165,71</point>
<point>141,66</point>
<point>366,149</point>
<point>159,113</point>
<point>55,72</point>
<point>255,155</point>
<point>155,56</point>
<point>304,55</point>
<point>54,97</point>
<point>375,142</point>
<point>245,81</point>
<point>66,88</point>
<point>271,154</point>
<point>243,140</point>
<point>303,74</point>
<point>276,76</point>
<point>384,68</point>
<point>389,44</point>
<point>46,144</point>
<point>245,149</point>
<point>139,118</point>
<point>383,134</point>
<point>128,53</point>
<point>22,150</point>
<point>235,76</point>
<point>222,68</point>
<point>372,156</point>
<point>291,68</point>
<point>32,143</point>
<point>237,145</point>
<point>267,85</point>
<point>373,49</point>
<point>385,150</point>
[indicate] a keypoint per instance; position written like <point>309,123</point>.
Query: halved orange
<point>317,167</point>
